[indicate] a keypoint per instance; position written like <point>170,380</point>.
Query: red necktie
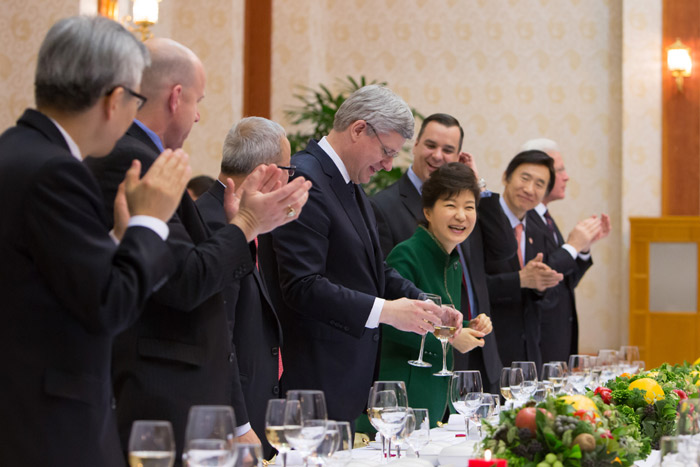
<point>518,234</point>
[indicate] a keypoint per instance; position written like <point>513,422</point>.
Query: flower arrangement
<point>650,399</point>
<point>569,431</point>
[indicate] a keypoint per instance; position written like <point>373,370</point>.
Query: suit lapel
<point>410,197</point>
<point>535,219</point>
<point>345,194</point>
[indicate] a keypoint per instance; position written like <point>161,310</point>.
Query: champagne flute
<point>444,332</point>
<point>274,428</point>
<point>505,385</point>
<point>210,438</point>
<point>420,436</point>
<point>151,444</point>
<point>436,299</point>
<point>466,389</point>
<point>343,455</point>
<point>389,407</point>
<point>303,429</point>
<point>248,455</point>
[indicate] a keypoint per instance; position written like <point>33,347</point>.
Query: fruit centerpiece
<point>569,431</point>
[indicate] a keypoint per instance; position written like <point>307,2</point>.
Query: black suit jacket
<point>256,331</point>
<point>179,353</point>
<point>559,325</point>
<point>331,269</point>
<point>514,310</point>
<point>398,209</point>
<point>67,289</point>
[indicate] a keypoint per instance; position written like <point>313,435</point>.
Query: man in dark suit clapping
<point>179,353</point>
<point>256,330</point>
<point>67,287</point>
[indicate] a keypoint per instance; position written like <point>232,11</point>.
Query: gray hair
<point>379,106</point>
<point>249,143</point>
<point>84,57</point>
<point>540,144</point>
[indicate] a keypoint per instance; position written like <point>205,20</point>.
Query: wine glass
<point>497,406</point>
<point>639,365</point>
<point>580,368</point>
<point>274,427</point>
<point>505,384</point>
<point>607,362</point>
<point>466,390</point>
<point>420,436</point>
<point>528,386</point>
<point>248,455</point>
<point>210,438</point>
<point>375,421</point>
<point>485,410</point>
<point>541,391</point>
<point>329,443</point>
<point>343,455</point>
<point>303,432</point>
<point>388,406</point>
<point>312,403</point>
<point>628,355</point>
<point>444,332</point>
<point>402,436</point>
<point>436,299</point>
<point>552,376</point>
<point>151,443</point>
<point>564,372</point>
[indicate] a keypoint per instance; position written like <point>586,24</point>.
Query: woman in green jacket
<point>431,261</point>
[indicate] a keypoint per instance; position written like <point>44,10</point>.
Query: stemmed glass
<point>329,443</point>
<point>524,388</point>
<point>304,430</point>
<point>375,421</point>
<point>564,373</point>
<point>607,363</point>
<point>552,376</point>
<point>444,332</point>
<point>436,299</point>
<point>580,367</point>
<point>485,409</point>
<point>420,436</point>
<point>388,406</point>
<point>628,355</point>
<point>248,455</point>
<point>466,391</point>
<point>505,385</point>
<point>402,436</point>
<point>151,443</point>
<point>343,455</point>
<point>210,436</point>
<point>274,428</point>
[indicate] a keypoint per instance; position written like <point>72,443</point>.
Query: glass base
<point>443,373</point>
<point>420,363</point>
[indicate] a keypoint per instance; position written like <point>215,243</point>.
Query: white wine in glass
<point>274,428</point>
<point>444,332</point>
<point>436,299</point>
<point>151,444</point>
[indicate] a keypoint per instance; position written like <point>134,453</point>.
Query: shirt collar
<point>511,217</point>
<point>417,182</point>
<point>72,145</point>
<point>328,149</point>
<point>154,137</point>
<point>541,209</point>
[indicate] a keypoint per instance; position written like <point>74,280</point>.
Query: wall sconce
<point>144,16</point>
<point>679,62</point>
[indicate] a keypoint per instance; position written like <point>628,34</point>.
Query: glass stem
<point>422,348</point>
<point>388,455</point>
<point>466,424</point>
<point>383,447</point>
<point>444,355</point>
<point>284,459</point>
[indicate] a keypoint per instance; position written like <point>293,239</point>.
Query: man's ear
<point>175,98</point>
<point>111,101</point>
<point>356,129</point>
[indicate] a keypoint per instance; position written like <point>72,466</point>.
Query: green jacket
<point>422,260</point>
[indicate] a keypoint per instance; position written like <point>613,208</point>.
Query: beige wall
<point>510,71</point>
<point>583,72</point>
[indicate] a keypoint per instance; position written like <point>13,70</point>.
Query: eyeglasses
<point>141,99</point>
<point>289,168</point>
<point>387,152</point>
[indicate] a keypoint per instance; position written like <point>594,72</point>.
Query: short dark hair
<point>443,119</point>
<point>449,180</point>
<point>532,157</point>
<point>200,184</point>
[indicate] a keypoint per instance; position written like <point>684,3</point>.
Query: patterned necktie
<point>518,234</point>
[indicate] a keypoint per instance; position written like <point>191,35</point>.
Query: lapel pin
<point>530,239</point>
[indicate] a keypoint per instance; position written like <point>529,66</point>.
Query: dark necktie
<point>550,225</point>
